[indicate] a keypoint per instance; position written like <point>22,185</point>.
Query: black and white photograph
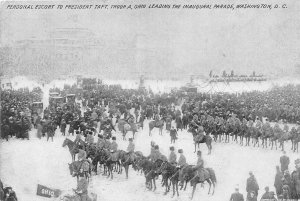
<point>147,100</point>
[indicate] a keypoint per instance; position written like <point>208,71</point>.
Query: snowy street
<point>24,164</point>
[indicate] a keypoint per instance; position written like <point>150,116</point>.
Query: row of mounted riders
<point>170,172</point>
<point>225,130</point>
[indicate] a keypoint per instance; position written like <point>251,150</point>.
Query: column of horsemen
<point>200,124</point>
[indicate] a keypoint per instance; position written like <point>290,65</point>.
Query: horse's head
<point>65,142</point>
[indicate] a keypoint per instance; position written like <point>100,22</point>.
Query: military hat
<point>113,138</point>
<point>172,148</point>
<point>156,147</point>
<point>77,132</point>
<point>180,151</point>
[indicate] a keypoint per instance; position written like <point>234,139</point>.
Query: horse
<point>266,133</point>
<point>187,173</point>
<point>255,134</point>
<point>206,139</point>
<point>109,162</point>
<point>277,134</point>
<point>284,137</point>
<point>156,124</point>
<point>72,147</point>
<point>169,171</point>
<point>75,167</point>
<point>124,127</point>
<point>147,165</point>
<point>211,179</point>
<point>126,161</point>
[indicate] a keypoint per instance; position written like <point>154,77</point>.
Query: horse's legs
<point>154,183</point>
<point>214,185</point>
<point>126,170</point>
<point>194,188</point>
<point>173,185</point>
<point>185,184</point>
<point>166,184</point>
<point>209,182</point>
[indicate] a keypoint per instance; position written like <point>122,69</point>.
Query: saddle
<point>198,137</point>
<point>114,156</point>
<point>203,174</point>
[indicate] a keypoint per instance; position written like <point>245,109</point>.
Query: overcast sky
<point>196,41</point>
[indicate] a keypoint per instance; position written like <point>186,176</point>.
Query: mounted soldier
<point>202,173</point>
<point>81,190</point>
<point>285,126</point>
<point>84,164</point>
<point>89,138</point>
<point>172,157</point>
<point>113,150</point>
<point>181,163</point>
<point>100,142</point>
<point>107,143</point>
<point>156,118</point>
<point>130,151</point>
<point>155,154</point>
<point>258,124</point>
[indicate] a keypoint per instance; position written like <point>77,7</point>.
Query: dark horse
<point>211,179</point>
<point>169,171</point>
<point>75,167</point>
<point>206,139</point>
<point>72,147</point>
<point>156,124</point>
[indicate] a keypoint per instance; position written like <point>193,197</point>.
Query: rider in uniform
<point>100,142</point>
<point>181,163</point>
<point>89,138</point>
<point>258,123</point>
<point>82,186</point>
<point>172,157</point>
<point>107,143</point>
<point>156,118</point>
<point>130,150</point>
<point>84,164</point>
<point>113,149</point>
<point>285,126</point>
<point>200,167</point>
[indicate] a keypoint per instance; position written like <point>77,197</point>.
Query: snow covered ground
<point>24,164</point>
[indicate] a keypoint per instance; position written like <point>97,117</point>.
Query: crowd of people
<point>100,103</point>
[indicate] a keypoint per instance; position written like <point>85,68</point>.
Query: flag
<point>47,192</point>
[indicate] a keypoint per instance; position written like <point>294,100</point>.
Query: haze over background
<point>155,42</point>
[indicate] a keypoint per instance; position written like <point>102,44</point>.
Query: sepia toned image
<point>136,100</point>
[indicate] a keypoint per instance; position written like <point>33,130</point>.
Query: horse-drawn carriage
<point>37,108</point>
<point>56,101</point>
<point>70,98</point>
<point>53,94</point>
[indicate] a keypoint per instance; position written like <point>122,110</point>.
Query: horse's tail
<point>212,175</point>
